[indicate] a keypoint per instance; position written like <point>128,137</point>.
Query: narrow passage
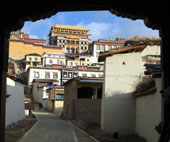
<point>51,128</point>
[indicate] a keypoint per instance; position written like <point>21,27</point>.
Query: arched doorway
<point>29,11</point>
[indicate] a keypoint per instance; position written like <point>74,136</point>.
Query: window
<point>30,58</point>
<point>61,62</point>
<point>82,59</point>
<point>35,59</point>
<point>50,61</point>
<point>100,75</point>
<point>101,47</point>
<point>64,74</point>
<point>72,50</point>
<point>72,42</point>
<point>70,74</point>
<point>93,75</point>
<point>84,74</point>
<point>36,74</point>
<point>68,50</point>
<point>77,51</point>
<point>85,92</point>
<point>47,74</point>
<point>55,75</point>
<point>75,74</point>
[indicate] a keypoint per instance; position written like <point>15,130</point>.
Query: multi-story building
<point>73,39</point>
<point>73,60</point>
<point>51,59</point>
<point>85,71</point>
<point>68,73</point>
<point>44,73</point>
<point>18,35</point>
<point>20,45</point>
<point>82,71</point>
<point>32,60</point>
<point>103,45</point>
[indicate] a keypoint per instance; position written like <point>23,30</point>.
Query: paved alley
<point>51,128</point>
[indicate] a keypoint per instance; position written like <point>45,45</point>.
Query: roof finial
<point>110,38</point>
<point>118,36</point>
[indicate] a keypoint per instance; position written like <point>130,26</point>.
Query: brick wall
<point>89,110</point>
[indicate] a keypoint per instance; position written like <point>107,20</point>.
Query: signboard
<point>29,106</point>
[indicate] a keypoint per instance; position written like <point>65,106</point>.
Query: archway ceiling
<point>16,12</point>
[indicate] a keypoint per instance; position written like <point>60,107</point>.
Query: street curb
<point>30,128</point>
<point>93,138</point>
<point>74,134</point>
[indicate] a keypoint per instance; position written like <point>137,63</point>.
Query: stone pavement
<point>51,128</point>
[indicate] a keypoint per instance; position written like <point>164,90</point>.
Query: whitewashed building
<point>89,71</point>
<point>15,109</point>
<point>50,59</point>
<point>122,71</point>
<point>44,73</point>
<point>103,45</point>
<point>32,60</point>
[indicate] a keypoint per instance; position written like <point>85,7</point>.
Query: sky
<point>102,25</point>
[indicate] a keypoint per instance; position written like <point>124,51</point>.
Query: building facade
<point>19,48</point>
<point>68,73</point>
<point>82,99</point>
<point>50,59</point>
<point>15,109</point>
<point>123,70</point>
<point>82,59</point>
<point>44,73</point>
<point>102,45</point>
<point>85,71</point>
<point>73,39</point>
<point>33,60</point>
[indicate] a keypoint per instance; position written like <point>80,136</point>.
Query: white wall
<point>58,107</point>
<point>118,105</point>
<point>42,74</point>
<point>80,73</point>
<point>15,109</point>
<point>94,58</point>
<point>46,61</point>
<point>148,114</point>
<point>151,50</point>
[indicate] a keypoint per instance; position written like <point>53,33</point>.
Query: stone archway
<point>14,14</point>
